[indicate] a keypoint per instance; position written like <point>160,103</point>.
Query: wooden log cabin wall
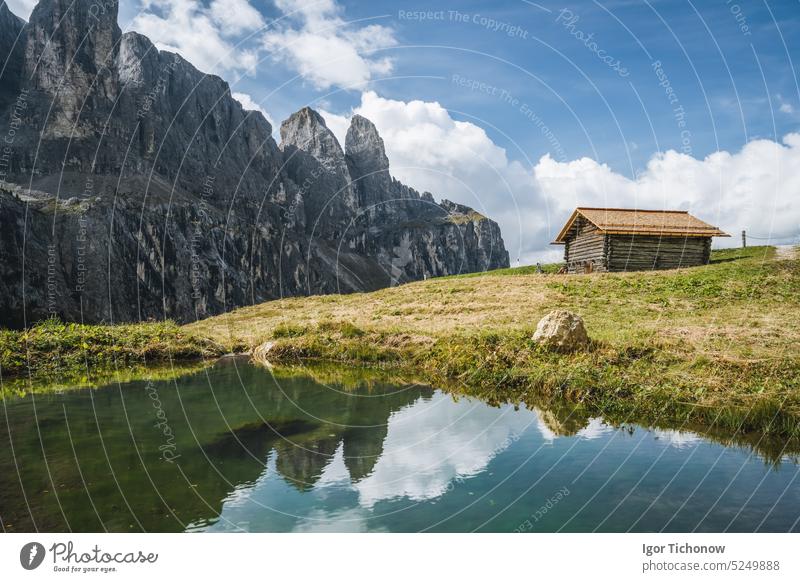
<point>628,252</point>
<point>616,240</point>
<point>586,248</point>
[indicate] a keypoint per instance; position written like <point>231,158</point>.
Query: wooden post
<point>744,239</point>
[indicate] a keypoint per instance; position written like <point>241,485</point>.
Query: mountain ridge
<point>136,187</point>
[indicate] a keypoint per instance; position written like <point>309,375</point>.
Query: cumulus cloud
<point>338,124</point>
<point>430,150</point>
<point>204,35</point>
<point>754,188</point>
<point>431,448</point>
<point>457,440</point>
<point>323,48</point>
<point>235,16</point>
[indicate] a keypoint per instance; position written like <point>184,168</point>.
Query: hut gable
<point>619,239</point>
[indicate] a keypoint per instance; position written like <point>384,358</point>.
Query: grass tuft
<point>56,349</point>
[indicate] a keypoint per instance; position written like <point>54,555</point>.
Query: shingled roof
<point>635,221</point>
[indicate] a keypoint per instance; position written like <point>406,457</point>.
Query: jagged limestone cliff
<point>135,187</point>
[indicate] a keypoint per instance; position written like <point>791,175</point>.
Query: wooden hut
<point>619,239</point>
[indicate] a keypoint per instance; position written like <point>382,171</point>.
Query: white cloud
<point>597,428</point>
<point>250,105</point>
<point>783,105</point>
<point>431,444</point>
<point>326,50</point>
<point>338,124</point>
<point>431,447</point>
<point>452,159</point>
<point>676,438</point>
<point>754,188</point>
<point>235,16</point>
<point>21,8</point>
<point>202,35</point>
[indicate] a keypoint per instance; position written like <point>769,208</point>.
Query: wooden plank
<point>585,248</point>
<point>632,252</point>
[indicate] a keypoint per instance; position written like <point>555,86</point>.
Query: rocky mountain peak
<point>10,24</point>
<point>364,147</point>
<point>77,38</point>
<point>315,161</point>
<point>455,208</point>
<point>137,60</point>
<point>306,130</point>
<point>70,55</point>
<point>131,165</point>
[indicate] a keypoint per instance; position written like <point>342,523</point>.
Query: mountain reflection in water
<point>334,449</point>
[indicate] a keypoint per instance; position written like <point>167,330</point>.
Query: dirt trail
<point>784,252</point>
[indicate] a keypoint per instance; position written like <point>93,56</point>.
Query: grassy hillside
<point>715,344</point>
<point>720,339</point>
<point>741,307</point>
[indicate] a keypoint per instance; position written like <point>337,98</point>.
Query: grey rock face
<point>356,209</point>
<point>315,162</point>
<point>70,51</point>
<point>367,162</point>
<point>12,53</point>
<point>136,187</point>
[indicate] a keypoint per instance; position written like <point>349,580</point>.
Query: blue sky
<point>628,98</point>
<point>712,52</point>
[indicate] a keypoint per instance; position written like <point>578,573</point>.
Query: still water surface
<point>239,448</point>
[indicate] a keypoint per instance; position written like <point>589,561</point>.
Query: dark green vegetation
<point>54,355</point>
